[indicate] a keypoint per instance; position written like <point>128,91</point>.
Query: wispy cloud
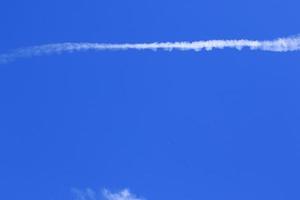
<point>277,45</point>
<point>122,195</point>
<point>89,194</point>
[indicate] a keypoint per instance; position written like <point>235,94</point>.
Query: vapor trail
<point>277,45</point>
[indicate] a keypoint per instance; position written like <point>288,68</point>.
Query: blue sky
<point>167,125</point>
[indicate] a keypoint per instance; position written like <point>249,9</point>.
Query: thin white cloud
<point>89,194</point>
<point>121,195</point>
<point>277,45</point>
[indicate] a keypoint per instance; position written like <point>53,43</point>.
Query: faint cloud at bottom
<point>104,194</point>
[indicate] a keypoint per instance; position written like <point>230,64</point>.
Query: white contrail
<point>277,45</point>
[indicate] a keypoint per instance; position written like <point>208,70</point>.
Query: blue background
<point>168,125</point>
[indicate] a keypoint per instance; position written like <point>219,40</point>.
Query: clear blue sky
<point>220,125</point>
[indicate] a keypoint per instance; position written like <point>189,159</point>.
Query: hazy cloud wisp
<point>122,195</point>
<point>277,45</point>
<point>89,194</point>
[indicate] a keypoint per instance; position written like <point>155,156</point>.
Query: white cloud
<point>121,195</point>
<point>277,45</point>
<point>89,194</point>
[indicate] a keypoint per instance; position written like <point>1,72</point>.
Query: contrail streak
<point>277,45</point>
